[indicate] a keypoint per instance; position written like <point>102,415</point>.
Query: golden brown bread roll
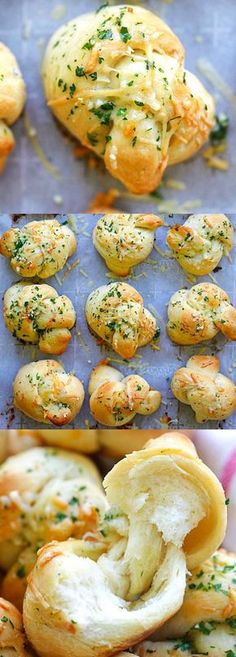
<point>211,395</point>
<point>45,392</point>
<point>123,92</point>
<point>201,241</point>
<point>162,495</point>
<point>210,597</point>
<point>115,399</point>
<point>80,440</point>
<point>12,100</point>
<point>45,494</point>
<point>211,639</point>
<point>116,313</point>
<point>38,315</point>
<point>125,240</point>
<point>199,313</point>
<point>13,642</point>
<point>40,248</point>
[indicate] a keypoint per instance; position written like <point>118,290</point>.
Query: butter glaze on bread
<point>116,313</point>
<point>115,399</point>
<point>125,240</point>
<point>40,248</point>
<point>37,314</point>
<point>12,100</point>
<point>116,80</point>
<point>201,241</point>
<point>199,313</point>
<point>43,391</point>
<point>211,395</point>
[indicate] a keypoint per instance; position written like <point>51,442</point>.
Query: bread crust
<point>201,241</point>
<point>122,90</point>
<point>125,240</point>
<point>40,248</point>
<point>37,314</point>
<point>211,395</point>
<point>43,391</point>
<point>199,313</point>
<point>115,399</point>
<point>116,313</point>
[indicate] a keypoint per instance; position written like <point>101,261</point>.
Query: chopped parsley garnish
<point>21,572</point>
<point>59,517</point>
<point>124,34</point>
<point>220,129</point>
<point>103,112</point>
<point>92,138</point>
<point>105,34</point>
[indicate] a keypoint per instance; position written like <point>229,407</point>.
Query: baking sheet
<point>207,30</point>
<point>156,282</point>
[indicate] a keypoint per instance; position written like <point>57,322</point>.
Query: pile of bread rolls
<point>133,564</point>
<point>116,314</point>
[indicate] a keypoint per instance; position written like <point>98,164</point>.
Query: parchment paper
<point>156,281</point>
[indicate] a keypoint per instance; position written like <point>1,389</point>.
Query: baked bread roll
<point>13,642</point>
<point>201,241</point>
<point>199,313</point>
<point>38,315</point>
<point>210,598</point>
<point>163,496</point>
<point>45,494</point>
<point>116,313</point>
<point>40,248</point>
<point>12,100</point>
<point>125,240</point>
<point>123,92</point>
<point>80,440</point>
<point>115,399</point>
<point>43,391</point>
<point>211,395</point>
<point>210,639</point>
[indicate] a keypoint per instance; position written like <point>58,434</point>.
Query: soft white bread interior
<point>12,100</point>
<point>40,248</point>
<point>116,313</point>
<point>125,240</point>
<point>37,314</point>
<point>201,241</point>
<point>116,399</point>
<point>164,495</point>
<point>43,391</point>
<point>122,90</point>
<point>211,395</point>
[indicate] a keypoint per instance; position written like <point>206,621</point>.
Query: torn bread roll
<point>162,495</point>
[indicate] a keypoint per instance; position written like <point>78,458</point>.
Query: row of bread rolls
<point>41,248</point>
<point>122,573</point>
<point>116,80</point>
<point>115,312</point>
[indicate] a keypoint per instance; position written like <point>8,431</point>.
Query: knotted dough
<point>39,315</point>
<point>211,395</point>
<point>43,391</point>
<point>116,313</point>
<point>125,240</point>
<point>96,598</point>
<point>12,100</point>
<point>45,493</point>
<point>40,248</point>
<point>199,313</point>
<point>201,241</point>
<point>116,80</point>
<point>115,399</point>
